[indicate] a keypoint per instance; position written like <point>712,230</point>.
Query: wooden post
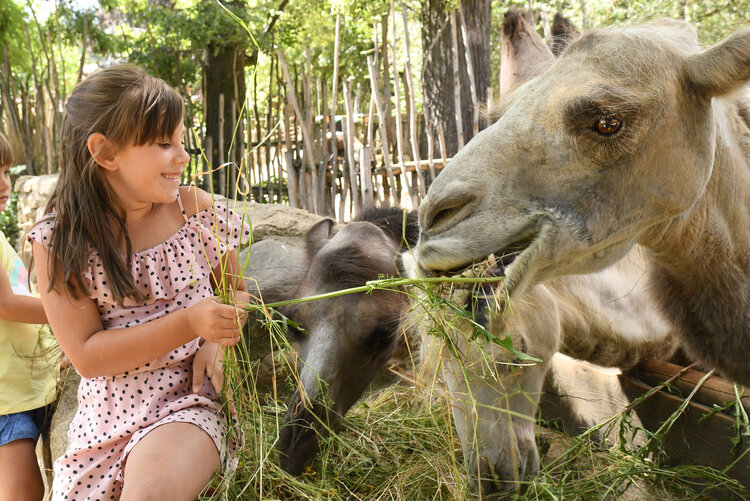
<point>269,120</point>
<point>400,133</point>
<point>382,126</point>
<point>349,136</point>
<point>292,181</point>
<point>430,147</point>
<point>306,139</point>
<point>379,194</point>
<point>441,138</point>
<point>232,160</point>
<point>409,90</point>
<point>470,71</point>
<point>365,174</point>
<point>457,82</point>
<point>332,128</point>
<point>220,146</point>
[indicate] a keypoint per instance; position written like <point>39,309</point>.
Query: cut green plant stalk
<point>385,284</point>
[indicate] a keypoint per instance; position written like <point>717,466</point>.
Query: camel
<point>635,136</point>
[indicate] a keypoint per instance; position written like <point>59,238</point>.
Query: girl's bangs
<point>161,111</point>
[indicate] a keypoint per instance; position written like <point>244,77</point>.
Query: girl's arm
<point>18,307</point>
<point>97,352</point>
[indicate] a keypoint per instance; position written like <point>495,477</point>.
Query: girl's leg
<point>175,461</point>
<point>20,478</point>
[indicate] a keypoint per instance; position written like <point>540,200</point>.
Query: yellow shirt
<point>29,365</point>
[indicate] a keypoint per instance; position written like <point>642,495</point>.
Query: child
<point>127,264</point>
<point>27,378</point>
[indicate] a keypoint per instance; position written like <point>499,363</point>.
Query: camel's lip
<point>495,263</point>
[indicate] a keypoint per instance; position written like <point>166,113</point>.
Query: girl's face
<point>149,173</point>
<point>4,186</point>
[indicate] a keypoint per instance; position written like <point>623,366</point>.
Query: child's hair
<point>6,154</point>
<point>128,107</point>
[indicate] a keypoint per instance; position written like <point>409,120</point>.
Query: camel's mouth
<point>494,264</point>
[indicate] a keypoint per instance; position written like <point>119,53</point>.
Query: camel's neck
<point>702,266</point>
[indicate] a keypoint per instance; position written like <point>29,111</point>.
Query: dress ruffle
<point>162,271</point>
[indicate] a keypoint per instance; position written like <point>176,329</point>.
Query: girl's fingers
<point>199,372</point>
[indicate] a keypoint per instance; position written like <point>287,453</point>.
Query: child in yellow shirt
<point>27,378</point>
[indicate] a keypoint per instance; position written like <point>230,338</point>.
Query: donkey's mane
<point>351,266</point>
<point>391,220</point>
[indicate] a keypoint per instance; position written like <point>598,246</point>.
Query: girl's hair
<point>6,154</point>
<point>129,108</point>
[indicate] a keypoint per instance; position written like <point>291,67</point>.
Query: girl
<point>27,373</point>
<point>127,264</point>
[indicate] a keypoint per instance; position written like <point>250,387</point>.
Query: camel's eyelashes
<point>606,126</point>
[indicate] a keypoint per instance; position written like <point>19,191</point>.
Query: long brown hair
<point>129,108</point>
<point>6,154</point>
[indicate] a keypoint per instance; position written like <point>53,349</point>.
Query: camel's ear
<point>721,69</point>
<point>317,236</point>
<point>524,55</point>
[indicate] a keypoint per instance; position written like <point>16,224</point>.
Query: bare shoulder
<point>194,199</point>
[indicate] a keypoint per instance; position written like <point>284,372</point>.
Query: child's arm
<point>18,307</point>
<point>97,352</point>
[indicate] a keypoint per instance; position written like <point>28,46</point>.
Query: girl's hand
<point>209,362</point>
<point>216,322</point>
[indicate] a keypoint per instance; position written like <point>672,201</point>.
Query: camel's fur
<point>607,317</point>
<point>674,179</point>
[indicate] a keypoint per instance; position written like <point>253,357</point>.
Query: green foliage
<point>9,221</point>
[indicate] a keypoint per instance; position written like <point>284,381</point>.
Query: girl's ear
<point>102,151</point>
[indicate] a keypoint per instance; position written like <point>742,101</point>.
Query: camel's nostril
<point>448,214</point>
<point>443,216</point>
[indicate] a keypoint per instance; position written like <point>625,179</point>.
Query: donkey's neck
<point>702,266</point>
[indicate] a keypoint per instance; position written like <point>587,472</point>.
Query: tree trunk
<point>477,15</point>
<point>437,65</point>
<point>224,74</point>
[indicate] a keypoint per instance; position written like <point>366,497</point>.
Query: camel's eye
<point>607,126</point>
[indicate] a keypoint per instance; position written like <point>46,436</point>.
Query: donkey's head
<point>609,147</point>
<point>345,339</point>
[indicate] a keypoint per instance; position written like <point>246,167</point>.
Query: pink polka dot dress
<point>114,413</point>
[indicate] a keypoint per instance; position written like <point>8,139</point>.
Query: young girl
<point>27,373</point>
<point>127,264</point>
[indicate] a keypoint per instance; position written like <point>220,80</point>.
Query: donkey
<point>346,339</point>
<point>636,135</point>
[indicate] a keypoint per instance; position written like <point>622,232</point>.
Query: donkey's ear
<point>317,236</point>
<point>723,68</point>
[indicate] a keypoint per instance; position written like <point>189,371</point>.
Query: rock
<point>278,222</point>
<point>65,408</point>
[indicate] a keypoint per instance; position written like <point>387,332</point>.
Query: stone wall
<point>33,193</point>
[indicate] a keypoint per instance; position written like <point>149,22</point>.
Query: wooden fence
<point>326,151</point>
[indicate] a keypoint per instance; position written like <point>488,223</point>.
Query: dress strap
<point>182,209</point>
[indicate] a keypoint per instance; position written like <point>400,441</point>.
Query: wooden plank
<point>698,437</point>
<point>714,391</point>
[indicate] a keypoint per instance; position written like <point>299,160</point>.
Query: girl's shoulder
<point>42,231</point>
<point>194,200</point>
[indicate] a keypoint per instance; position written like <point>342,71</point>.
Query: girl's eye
<point>607,126</point>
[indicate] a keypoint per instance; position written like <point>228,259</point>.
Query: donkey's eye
<point>607,126</point>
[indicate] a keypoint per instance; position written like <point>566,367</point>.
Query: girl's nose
<point>183,156</point>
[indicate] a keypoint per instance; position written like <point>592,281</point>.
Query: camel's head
<point>608,147</point>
